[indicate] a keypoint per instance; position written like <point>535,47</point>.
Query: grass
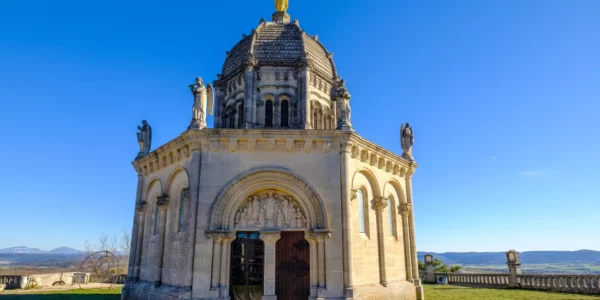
<point>77,294</point>
<point>449,292</point>
<point>432,292</point>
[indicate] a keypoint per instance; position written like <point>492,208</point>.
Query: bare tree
<point>117,246</point>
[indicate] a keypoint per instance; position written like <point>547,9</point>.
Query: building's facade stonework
<point>267,170</point>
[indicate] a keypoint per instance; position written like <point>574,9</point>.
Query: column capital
<point>270,237</point>
<point>320,235</point>
<point>162,201</point>
<point>345,147</point>
<point>405,209</point>
<point>140,207</point>
<point>380,203</point>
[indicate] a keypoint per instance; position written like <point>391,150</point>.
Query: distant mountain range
<point>527,257</point>
<point>26,250</point>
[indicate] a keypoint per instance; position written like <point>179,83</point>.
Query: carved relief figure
<point>203,96</point>
<point>144,138</point>
<point>270,210</point>
<point>406,140</point>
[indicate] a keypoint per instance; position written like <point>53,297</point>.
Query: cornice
<point>374,155</point>
<point>272,140</point>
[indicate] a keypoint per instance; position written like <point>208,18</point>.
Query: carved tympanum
<point>268,210</point>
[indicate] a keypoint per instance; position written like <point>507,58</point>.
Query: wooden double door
<point>292,266</point>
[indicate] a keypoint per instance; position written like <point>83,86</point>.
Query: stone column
<point>162,203</point>
<point>380,203</point>
<point>513,260</point>
<point>314,264</point>
<point>250,64</point>
<point>304,79</point>
<point>345,148</point>
<point>277,113</point>
<point>216,260</point>
<point>226,239</point>
<point>429,269</point>
<point>134,231</point>
<point>405,209</point>
<point>194,189</point>
<point>270,239</point>
<point>411,223</point>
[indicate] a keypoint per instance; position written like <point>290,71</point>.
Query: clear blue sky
<point>503,96</point>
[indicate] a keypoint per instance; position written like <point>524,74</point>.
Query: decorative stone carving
<point>353,195</point>
<point>141,207</point>
<point>406,141</point>
<point>405,209</point>
<point>162,201</point>
<point>144,138</point>
<point>380,203</point>
<point>202,95</point>
<point>270,210</point>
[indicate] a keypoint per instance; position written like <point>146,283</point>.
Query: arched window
<point>361,210</point>
<point>390,217</point>
<point>240,110</point>
<point>269,114</point>
<point>285,113</point>
<point>181,209</point>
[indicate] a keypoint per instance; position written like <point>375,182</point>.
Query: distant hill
<point>527,257</point>
<point>26,250</point>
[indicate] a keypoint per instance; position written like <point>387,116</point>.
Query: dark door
<point>292,266</point>
<point>247,264</point>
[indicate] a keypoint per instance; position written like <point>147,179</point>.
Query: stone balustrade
<point>477,280</point>
<point>584,284</point>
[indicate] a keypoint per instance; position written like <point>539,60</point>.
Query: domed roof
<point>280,44</point>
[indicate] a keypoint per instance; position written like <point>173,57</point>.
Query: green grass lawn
<point>449,292</point>
<point>77,294</point>
<point>432,292</point>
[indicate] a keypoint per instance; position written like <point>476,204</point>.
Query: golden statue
<point>281,5</point>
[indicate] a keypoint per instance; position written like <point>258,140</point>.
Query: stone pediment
<point>270,209</point>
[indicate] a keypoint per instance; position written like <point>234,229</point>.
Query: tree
<point>439,266</point>
<point>119,247</point>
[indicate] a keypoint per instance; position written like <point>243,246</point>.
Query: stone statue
<point>202,95</point>
<point>144,138</point>
<point>407,140</point>
<point>281,5</point>
<point>343,106</point>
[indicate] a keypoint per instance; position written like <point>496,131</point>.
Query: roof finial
<point>281,5</point>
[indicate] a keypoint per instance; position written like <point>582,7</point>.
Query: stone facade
<point>260,170</point>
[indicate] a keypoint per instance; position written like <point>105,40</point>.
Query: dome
<point>280,44</point>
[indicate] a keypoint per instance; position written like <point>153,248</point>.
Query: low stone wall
<point>583,284</point>
<point>118,279</point>
<point>40,280</point>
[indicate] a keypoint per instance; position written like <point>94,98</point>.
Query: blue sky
<point>503,96</point>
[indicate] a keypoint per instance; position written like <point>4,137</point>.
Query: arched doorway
<point>287,215</point>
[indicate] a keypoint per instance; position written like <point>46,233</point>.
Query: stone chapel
<point>281,199</point>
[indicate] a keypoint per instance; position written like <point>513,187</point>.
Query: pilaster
<point>406,209</point>
<point>141,209</point>
<point>304,78</point>
<point>249,91</point>
<point>411,223</point>
<point>194,170</point>
<point>162,203</point>
<point>270,239</point>
<point>133,267</point>
<point>345,148</point>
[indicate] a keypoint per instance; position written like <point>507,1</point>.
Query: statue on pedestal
<point>144,138</point>
<point>202,95</point>
<point>343,106</point>
<point>406,141</point>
